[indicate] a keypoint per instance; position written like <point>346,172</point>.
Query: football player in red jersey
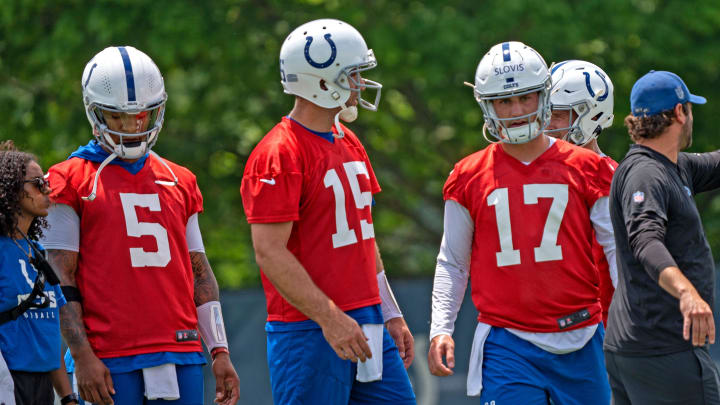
<point>125,237</point>
<point>307,192</point>
<point>519,221</point>
<point>581,100</point>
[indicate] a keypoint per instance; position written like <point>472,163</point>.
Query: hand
<point>346,337</point>
<point>404,341</point>
<point>441,346</point>
<point>227,383</point>
<point>93,378</point>
<point>698,315</point>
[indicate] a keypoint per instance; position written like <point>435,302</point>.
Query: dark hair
<point>13,168</point>
<point>652,126</point>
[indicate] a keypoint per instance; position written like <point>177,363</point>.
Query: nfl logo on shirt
<point>638,197</point>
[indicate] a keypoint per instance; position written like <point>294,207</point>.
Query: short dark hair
<point>652,126</point>
<point>13,168</point>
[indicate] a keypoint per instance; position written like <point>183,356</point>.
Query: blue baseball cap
<point>658,91</point>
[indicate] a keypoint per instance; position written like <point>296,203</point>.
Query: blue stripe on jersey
<point>328,136</point>
<point>371,314</point>
<point>506,51</point>
<point>126,364</point>
<point>129,78</point>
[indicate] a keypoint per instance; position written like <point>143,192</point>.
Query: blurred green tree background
<point>220,63</point>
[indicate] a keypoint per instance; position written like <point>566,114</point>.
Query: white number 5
<point>139,257</point>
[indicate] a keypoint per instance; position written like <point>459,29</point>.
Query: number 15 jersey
<point>325,188</point>
<point>531,265</point>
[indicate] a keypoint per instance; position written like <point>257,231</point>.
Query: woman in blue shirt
<point>29,344</point>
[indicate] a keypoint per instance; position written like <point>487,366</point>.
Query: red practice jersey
<point>134,270</point>
<point>606,287</point>
<point>531,265</point>
<point>326,190</point>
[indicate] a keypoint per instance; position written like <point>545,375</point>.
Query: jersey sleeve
<point>272,183</point>
<point>454,188</point>
<point>196,199</point>
<point>704,169</point>
<point>62,190</point>
<point>63,231</point>
<point>644,204</point>
<point>599,174</point>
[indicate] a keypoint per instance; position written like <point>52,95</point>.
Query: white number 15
<point>344,235</point>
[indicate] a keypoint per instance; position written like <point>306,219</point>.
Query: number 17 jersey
<point>325,187</point>
<point>531,265</point>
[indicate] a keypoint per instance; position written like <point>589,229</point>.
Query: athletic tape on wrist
<point>389,305</point>
<point>211,325</point>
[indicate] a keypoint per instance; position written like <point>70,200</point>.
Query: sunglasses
<point>39,182</point>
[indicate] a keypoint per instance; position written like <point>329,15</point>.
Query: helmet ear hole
<point>322,85</point>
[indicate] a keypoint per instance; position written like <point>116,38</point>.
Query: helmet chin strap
<point>104,163</point>
<point>347,114</point>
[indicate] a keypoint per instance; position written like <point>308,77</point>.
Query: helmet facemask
<point>145,124</point>
<point>350,74</point>
<point>576,113</point>
<point>499,128</point>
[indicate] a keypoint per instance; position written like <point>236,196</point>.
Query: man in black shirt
<point>660,321</point>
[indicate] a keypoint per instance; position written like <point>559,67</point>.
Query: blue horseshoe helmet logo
<point>590,90</point>
<point>331,59</point>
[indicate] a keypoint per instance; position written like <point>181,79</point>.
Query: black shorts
<point>32,388</point>
<point>684,378</point>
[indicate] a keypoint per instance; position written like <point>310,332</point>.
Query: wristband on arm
<point>389,305</point>
<point>212,327</point>
<point>71,293</point>
<point>70,398</point>
<point>214,352</point>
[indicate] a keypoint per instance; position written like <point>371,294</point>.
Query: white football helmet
<point>124,83</point>
<point>319,61</point>
<point>513,69</point>
<point>587,92</point>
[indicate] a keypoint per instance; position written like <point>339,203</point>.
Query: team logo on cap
<point>680,93</point>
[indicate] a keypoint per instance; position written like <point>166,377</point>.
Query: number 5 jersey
<point>134,270</point>
<point>531,266</point>
<point>324,185</point>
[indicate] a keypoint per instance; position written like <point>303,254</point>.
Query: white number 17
<point>549,249</point>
